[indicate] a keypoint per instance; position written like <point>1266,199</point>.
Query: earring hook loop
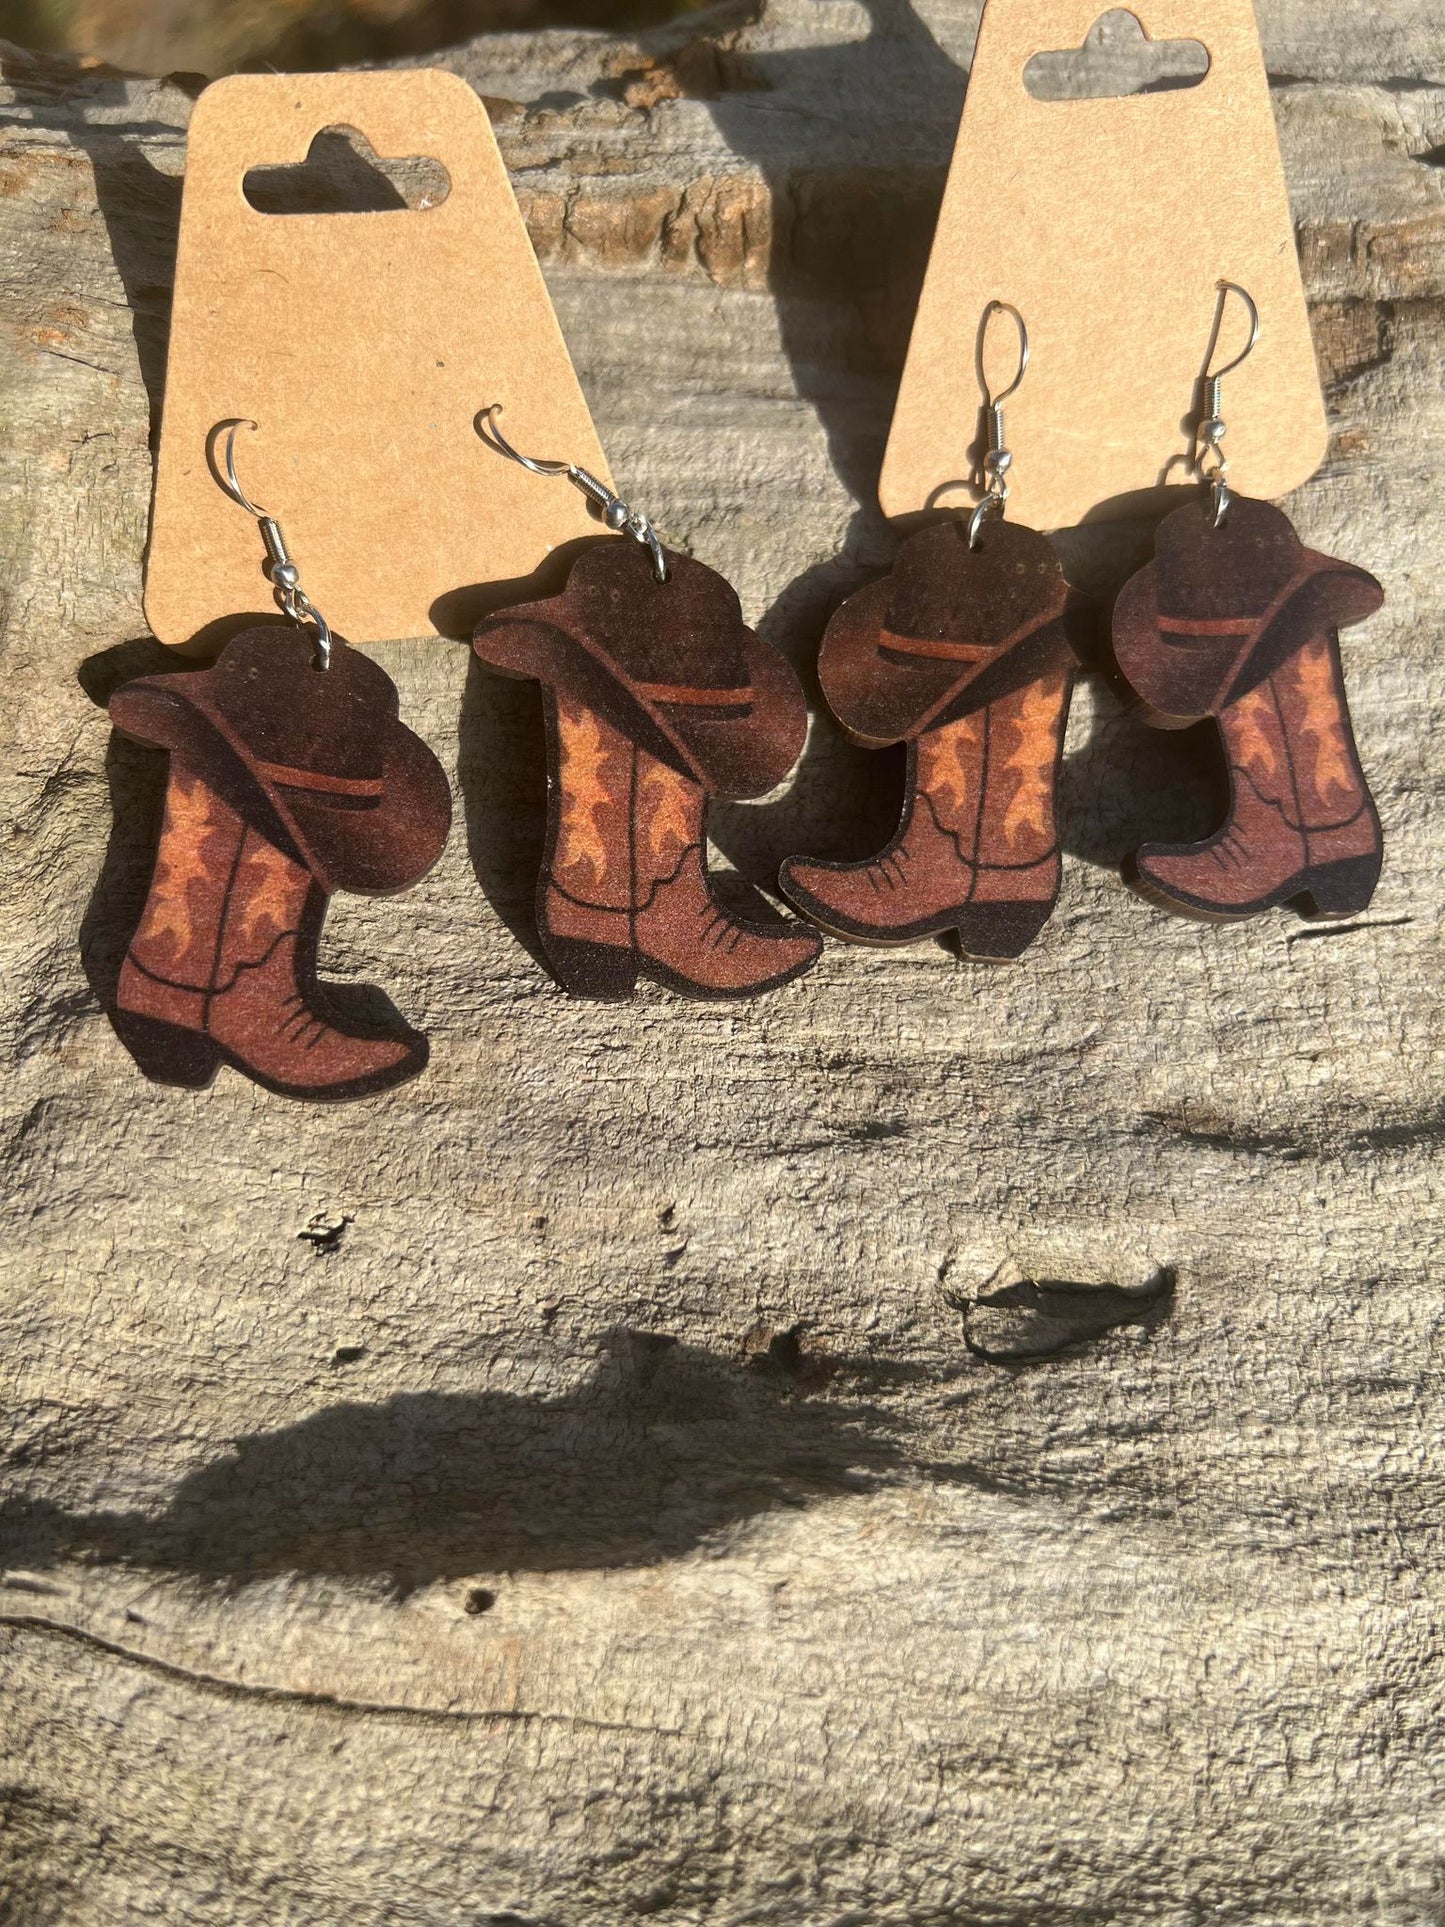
<point>998,457</point>
<point>615,512</point>
<point>1226,289</point>
<point>997,308</point>
<point>228,479</point>
<point>1212,429</point>
<point>492,434</point>
<point>281,572</point>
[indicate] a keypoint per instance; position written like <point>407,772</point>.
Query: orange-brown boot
<point>977,850</point>
<point>660,697</point>
<point>1302,826</point>
<point>685,937</point>
<point>1236,619</point>
<point>963,653</point>
<point>625,889</point>
<point>222,965</point>
<point>584,893</point>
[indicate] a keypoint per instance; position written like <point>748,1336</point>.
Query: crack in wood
<point>301,1696</point>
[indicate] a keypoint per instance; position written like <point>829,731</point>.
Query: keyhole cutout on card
<point>343,174</point>
<point>1116,61</point>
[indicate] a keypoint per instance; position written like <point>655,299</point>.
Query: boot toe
<point>309,1056</point>
<point>765,959</point>
<point>833,895</point>
<point>728,956</point>
<point>796,953</point>
<point>356,1065</point>
<point>1153,871</point>
<point>1187,882</point>
<point>1149,865</point>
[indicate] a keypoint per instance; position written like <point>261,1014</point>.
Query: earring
<point>962,654</point>
<point>290,777</point>
<point>658,697</point>
<point>1236,619</point>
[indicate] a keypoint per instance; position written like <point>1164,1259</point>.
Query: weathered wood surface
<point>646,1326</point>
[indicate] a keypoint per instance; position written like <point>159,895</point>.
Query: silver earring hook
<point>229,480</point>
<point>492,434</point>
<point>1008,308</point>
<point>281,571</point>
<point>998,457</point>
<point>1212,429</point>
<point>1226,289</point>
<point>615,512</point>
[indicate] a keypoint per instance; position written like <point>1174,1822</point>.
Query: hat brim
<point>733,748</point>
<point>1182,678</point>
<point>1335,595</point>
<point>369,847</point>
<point>884,688</point>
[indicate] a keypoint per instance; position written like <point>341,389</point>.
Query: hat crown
<point>1236,571</point>
<point>946,591</point>
<point>687,631</point>
<point>328,722</point>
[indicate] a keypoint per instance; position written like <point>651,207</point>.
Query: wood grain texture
<point>650,1323</point>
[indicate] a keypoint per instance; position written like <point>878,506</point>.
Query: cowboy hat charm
<point>286,783</point>
<point>963,654</point>
<point>1236,619</point>
<point>1240,621</point>
<point>290,777</point>
<point>658,697</point>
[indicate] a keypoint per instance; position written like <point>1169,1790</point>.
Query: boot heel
<point>602,971</point>
<point>167,1053</point>
<point>999,932</point>
<point>1341,889</point>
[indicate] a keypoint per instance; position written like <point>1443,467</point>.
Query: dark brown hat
<point>951,629</point>
<point>362,799</point>
<point>1219,609</point>
<point>671,664</point>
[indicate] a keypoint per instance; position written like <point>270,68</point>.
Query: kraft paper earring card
<point>362,344</point>
<point>1109,222</point>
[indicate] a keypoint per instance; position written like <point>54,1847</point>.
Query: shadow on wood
<point>663,1446</point>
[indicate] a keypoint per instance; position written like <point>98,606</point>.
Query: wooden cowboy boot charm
<point>962,654</point>
<point>659,698</point>
<point>1236,619</point>
<point>287,782</point>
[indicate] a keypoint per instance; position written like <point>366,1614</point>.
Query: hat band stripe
<point>967,653</point>
<point>310,779</point>
<point>1207,626</point>
<point>664,692</point>
<point>1242,626</point>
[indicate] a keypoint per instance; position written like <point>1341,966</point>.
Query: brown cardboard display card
<point>363,345</point>
<point>1108,223</point>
